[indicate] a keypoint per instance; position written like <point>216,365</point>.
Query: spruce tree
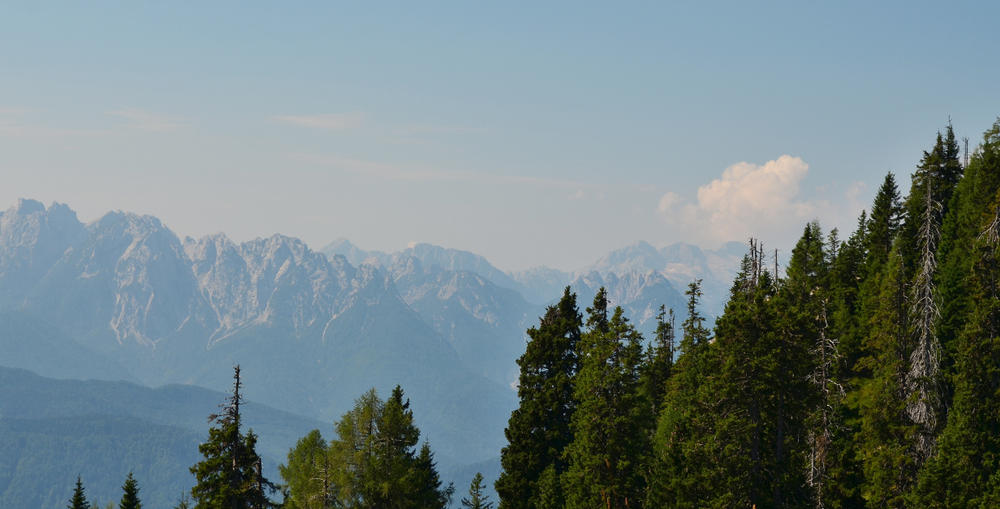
<point>130,495</point>
<point>682,465</point>
<point>477,498</point>
<point>886,435</point>
<point>610,422</point>
<point>230,475</point>
<point>539,429</point>
<point>962,473</point>
<point>659,359</point>
<point>79,498</point>
<point>738,440</point>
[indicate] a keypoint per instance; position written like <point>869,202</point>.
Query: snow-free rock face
<point>272,281</point>
<point>640,294</point>
<point>127,298</point>
<point>482,321</point>
<point>128,280</point>
<point>32,239</point>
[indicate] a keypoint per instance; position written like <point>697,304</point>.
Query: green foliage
<point>659,360</point>
<point>308,474</point>
<point>539,429</point>
<point>683,473</point>
<point>79,498</point>
<point>130,494</point>
<point>477,499</point>
<point>610,437</point>
<point>371,464</point>
<point>230,473</point>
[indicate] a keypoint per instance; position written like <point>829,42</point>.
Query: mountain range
<point>125,298</point>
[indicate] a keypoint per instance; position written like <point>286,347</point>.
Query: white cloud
<point>331,121</point>
<point>668,201</point>
<point>757,200</point>
<point>148,121</point>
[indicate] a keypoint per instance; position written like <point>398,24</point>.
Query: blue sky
<point>532,134</point>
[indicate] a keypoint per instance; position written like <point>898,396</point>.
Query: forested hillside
<point>866,375</point>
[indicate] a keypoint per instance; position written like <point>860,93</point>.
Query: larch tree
<point>308,474</point>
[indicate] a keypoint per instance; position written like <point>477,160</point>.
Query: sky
<point>534,133</point>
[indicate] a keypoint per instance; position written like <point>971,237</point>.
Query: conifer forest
<point>863,373</point>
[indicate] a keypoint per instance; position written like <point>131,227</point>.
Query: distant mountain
<point>640,294</point>
<point>317,332</point>
<point>354,254</point>
<point>542,284</point>
<point>482,321</point>
<point>51,430</point>
<point>680,264</point>
<point>124,298</point>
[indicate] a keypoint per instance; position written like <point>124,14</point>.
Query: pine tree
<point>79,498</point>
<point>230,475</point>
<point>610,422</point>
<point>130,495</point>
<point>539,429</point>
<point>477,498</point>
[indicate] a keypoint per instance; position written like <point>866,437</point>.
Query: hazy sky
<point>532,134</point>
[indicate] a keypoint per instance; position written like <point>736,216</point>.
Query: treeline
<point>373,463</point>
<point>867,375</point>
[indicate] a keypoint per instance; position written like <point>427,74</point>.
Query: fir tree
<point>130,495</point>
<point>477,498</point>
<point>79,498</point>
<point>230,475</point>
<point>539,429</point>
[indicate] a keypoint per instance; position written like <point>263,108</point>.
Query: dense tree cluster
<point>866,375</point>
<point>373,463</point>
